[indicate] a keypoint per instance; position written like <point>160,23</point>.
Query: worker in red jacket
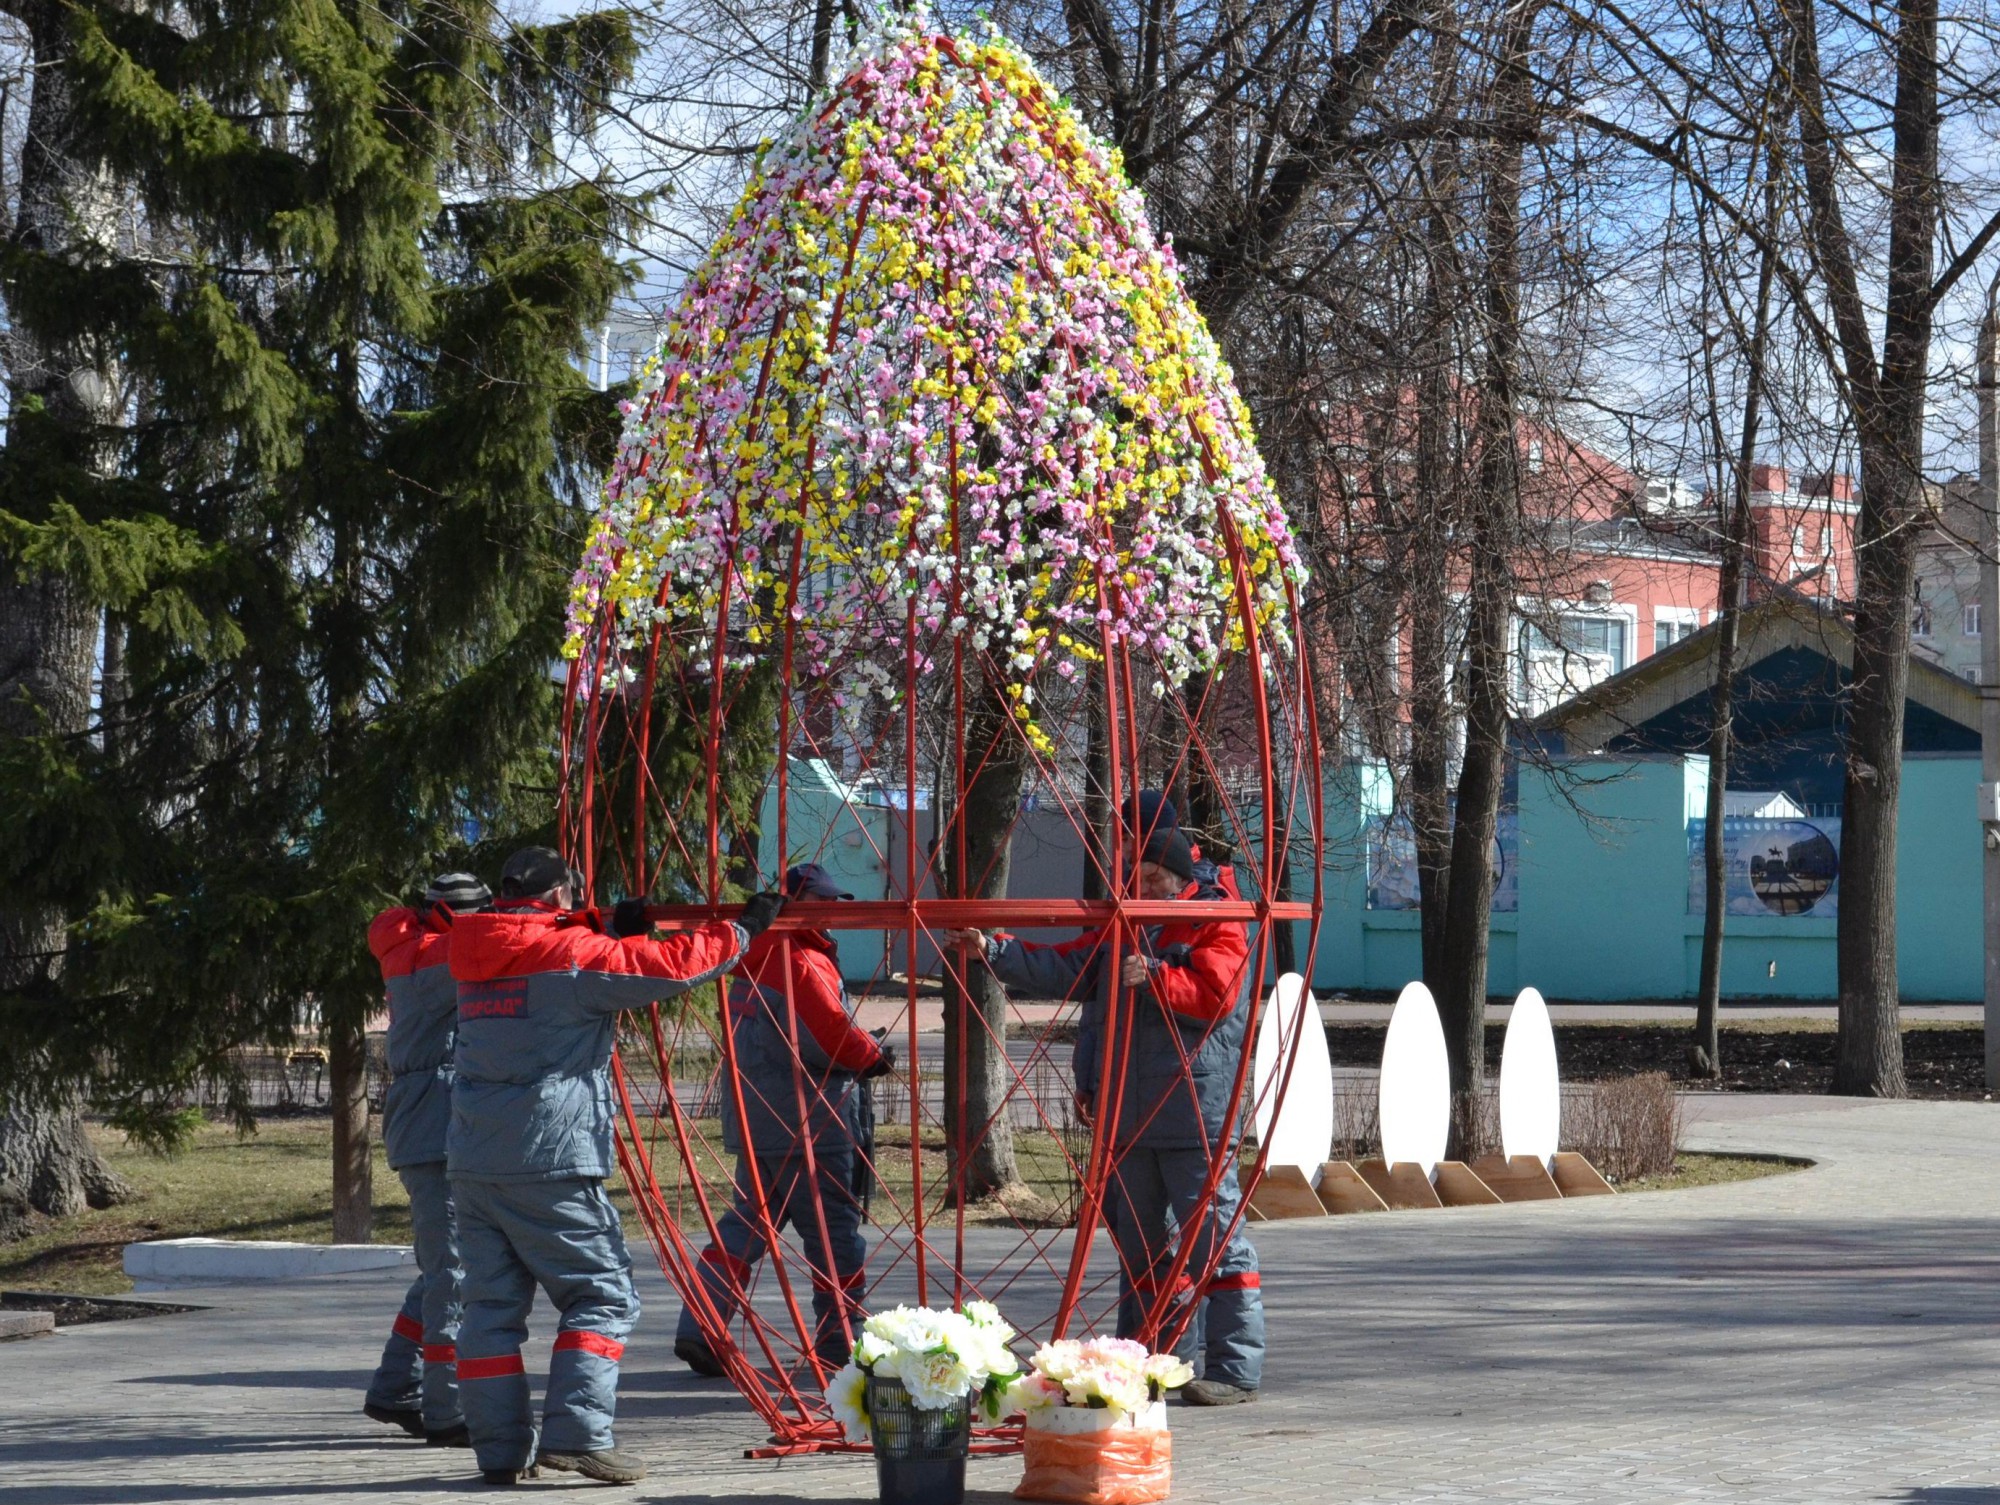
<point>415,1386</point>
<point>531,1141</point>
<point>800,1064</point>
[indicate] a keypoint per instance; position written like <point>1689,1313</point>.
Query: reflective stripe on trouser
<point>417,1370</point>
<point>1154,1192</point>
<point>726,1266</point>
<point>563,1236</point>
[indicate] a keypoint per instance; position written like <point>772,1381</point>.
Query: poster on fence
<point>1788,868</point>
<point>1392,863</point>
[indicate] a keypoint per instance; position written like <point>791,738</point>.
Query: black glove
<point>628,917</point>
<point>884,1064</point>
<point>759,912</point>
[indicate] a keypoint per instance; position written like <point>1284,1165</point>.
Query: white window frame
<point>1529,611</point>
<point>1969,619</point>
<point>1686,619</point>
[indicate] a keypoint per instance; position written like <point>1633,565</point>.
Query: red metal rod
<point>932,915</point>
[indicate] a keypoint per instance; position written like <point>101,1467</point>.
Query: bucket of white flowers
<point>912,1386</point>
<point>1096,1422</point>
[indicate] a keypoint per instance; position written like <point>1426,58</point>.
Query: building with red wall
<point>1615,567</point>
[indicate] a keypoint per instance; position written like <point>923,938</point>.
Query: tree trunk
<point>1495,508</point>
<point>1705,1050</point>
<point>1431,665</point>
<point>46,1153</point>
<point>344,1017</point>
<point>1887,405</point>
<point>1869,1062</point>
<point>353,1156</point>
<point>1098,880</point>
<point>979,1136</point>
<point>48,623</point>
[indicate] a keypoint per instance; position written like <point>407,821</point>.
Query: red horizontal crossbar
<point>983,914</point>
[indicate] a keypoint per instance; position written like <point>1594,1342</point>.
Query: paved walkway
<point>1828,1336</point>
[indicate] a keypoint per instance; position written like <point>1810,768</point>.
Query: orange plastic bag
<point>1123,1466</point>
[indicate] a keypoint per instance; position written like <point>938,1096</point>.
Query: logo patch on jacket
<point>489,1000</point>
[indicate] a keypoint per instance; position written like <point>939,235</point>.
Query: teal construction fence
<point>1605,906</point>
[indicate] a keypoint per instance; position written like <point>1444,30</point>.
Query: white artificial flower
<point>1031,1392</point>
<point>891,1325</point>
<point>985,1313</point>
<point>923,1332</point>
<point>1116,1386</point>
<point>847,1398</point>
<point>935,1380</point>
<point>871,1349</point>
<point>1059,1360</point>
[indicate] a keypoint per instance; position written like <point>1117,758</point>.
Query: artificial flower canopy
<point>939,375</point>
<point>937,533</point>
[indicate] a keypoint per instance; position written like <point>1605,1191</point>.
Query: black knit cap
<point>533,870</point>
<point>1148,811</point>
<point>1169,849</point>
<point>460,891</point>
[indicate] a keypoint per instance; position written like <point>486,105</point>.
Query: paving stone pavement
<point>1827,1336</point>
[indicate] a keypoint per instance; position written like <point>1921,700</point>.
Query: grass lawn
<point>1691,1169</point>
<point>276,1184</point>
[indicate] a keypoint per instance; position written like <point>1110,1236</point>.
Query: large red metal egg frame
<point>646,797</point>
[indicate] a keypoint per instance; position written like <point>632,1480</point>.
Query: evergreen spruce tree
<point>316,538</point>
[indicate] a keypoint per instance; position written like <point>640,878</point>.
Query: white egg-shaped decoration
<point>1415,1092</point>
<point>1293,1110</point>
<point>1530,1086</point>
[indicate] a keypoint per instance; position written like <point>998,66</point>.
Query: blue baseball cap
<point>811,881</point>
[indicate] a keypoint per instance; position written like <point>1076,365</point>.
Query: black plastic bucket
<point>919,1454</point>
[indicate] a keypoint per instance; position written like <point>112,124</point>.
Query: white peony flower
<point>935,1380</point>
<point>985,1314</point>
<point>890,1326</point>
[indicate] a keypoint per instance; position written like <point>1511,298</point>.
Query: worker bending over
<point>415,1386</point>
<point>539,992</point>
<point>800,1062</point>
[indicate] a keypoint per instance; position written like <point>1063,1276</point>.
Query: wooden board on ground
<point>1342,1190</point>
<point>1284,1192</point>
<point>1520,1178</point>
<point>1458,1185</point>
<point>1577,1177</point>
<point>1402,1185</point>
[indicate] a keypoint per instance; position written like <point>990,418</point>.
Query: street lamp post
<point>1989,661</point>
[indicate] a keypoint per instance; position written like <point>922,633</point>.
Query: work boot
<point>698,1356</point>
<point>449,1437</point>
<point>1216,1393</point>
<point>607,1466</point>
<point>410,1421</point>
<point>509,1476</point>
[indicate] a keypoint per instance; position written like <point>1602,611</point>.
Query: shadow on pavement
<point>172,1494</point>
<point>267,1379</point>
<point>177,1445</point>
<point>972,1497</point>
<point>1952,1494</point>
